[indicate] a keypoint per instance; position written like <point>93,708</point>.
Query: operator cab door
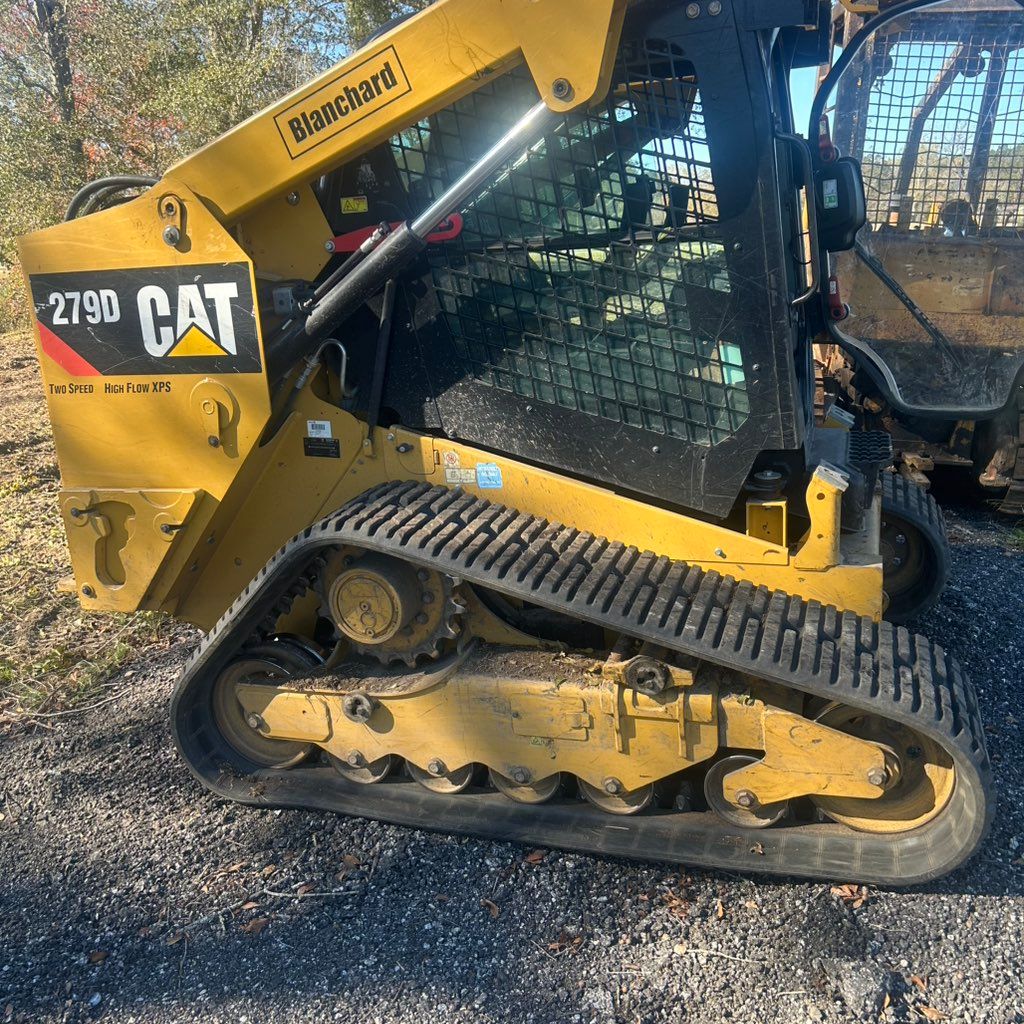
<point>932,106</point>
<point>611,304</point>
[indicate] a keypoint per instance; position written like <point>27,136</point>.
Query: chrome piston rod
<point>406,242</point>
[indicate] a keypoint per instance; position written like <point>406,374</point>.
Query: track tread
<point>838,655</point>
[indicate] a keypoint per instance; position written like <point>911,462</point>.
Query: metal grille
<point>588,275</point>
<point>936,114</point>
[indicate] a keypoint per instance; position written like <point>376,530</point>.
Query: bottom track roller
<point>611,798</point>
<point>438,779</point>
<point>782,712</point>
<point>525,791</point>
<point>747,812</point>
<point>356,768</point>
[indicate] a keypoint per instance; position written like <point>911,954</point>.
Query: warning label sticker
<point>355,204</point>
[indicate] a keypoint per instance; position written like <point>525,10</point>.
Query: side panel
<point>153,369</point>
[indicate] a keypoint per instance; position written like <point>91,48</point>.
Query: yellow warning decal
<point>355,204</point>
<point>196,342</point>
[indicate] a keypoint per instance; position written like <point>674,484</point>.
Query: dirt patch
<point>53,655</point>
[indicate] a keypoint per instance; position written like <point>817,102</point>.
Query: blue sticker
<point>488,475</point>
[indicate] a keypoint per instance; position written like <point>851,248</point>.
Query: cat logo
<point>190,329</point>
<point>166,320</point>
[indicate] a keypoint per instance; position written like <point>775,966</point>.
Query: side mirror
<point>842,209</point>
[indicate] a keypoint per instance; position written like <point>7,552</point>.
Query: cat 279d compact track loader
<point>505,322</point>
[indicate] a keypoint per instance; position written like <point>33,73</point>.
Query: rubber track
<point>835,655</point>
<point>913,504</point>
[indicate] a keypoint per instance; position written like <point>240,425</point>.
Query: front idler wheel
<point>917,783</point>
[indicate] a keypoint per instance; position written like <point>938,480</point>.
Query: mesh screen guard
<point>606,306</point>
<point>934,109</point>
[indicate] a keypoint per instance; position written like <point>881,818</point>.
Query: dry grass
<point>53,655</point>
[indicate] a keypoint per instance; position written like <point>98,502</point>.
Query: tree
<point>96,87</point>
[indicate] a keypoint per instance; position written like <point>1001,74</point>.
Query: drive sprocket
<point>388,609</point>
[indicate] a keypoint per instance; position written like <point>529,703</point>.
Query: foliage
<point>96,87</point>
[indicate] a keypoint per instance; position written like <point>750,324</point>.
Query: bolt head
<point>172,236</point>
<point>612,787</point>
<point>436,767</point>
<point>253,720</point>
<point>520,776</point>
<point>293,198</point>
<point>901,539</point>
<point>719,552</point>
<point>693,10</point>
<point>878,776</point>
<point>213,441</point>
<point>355,759</point>
<point>329,245</point>
<point>88,591</point>
<point>745,799</point>
<point>421,619</point>
<point>715,8</point>
<point>561,88</point>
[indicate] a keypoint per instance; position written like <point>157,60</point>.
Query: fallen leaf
<point>565,943</point>
<point>930,1013</point>
<point>97,956</point>
<point>236,867</point>
<point>854,896</point>
<point>886,1001</point>
<point>173,940</point>
<point>677,903</point>
<point>751,905</point>
<point>719,910</point>
<point>269,870</point>
<point>351,860</point>
<point>492,907</point>
<point>536,856</point>
<point>256,925</point>
<point>251,905</point>
<point>919,981</point>
<point>304,888</point>
<point>679,948</point>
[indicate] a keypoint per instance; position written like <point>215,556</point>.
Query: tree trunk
<point>52,22</point>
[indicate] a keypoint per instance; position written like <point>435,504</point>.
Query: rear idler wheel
<point>526,792</point>
<point>920,781</point>
<point>272,663</point>
<point>755,816</point>
<point>438,779</point>
<point>356,768</point>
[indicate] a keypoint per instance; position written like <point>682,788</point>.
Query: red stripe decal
<point>64,355</point>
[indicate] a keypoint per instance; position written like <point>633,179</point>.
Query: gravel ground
<point>129,894</point>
